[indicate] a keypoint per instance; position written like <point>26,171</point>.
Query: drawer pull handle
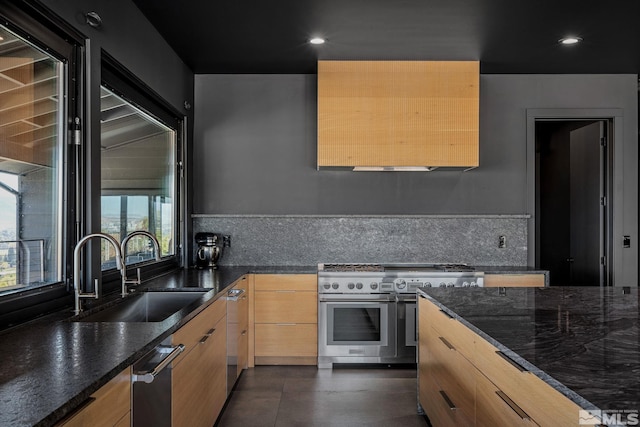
<point>243,333</point>
<point>447,343</point>
<point>513,405</point>
<point>511,361</point>
<point>450,404</point>
<point>207,335</point>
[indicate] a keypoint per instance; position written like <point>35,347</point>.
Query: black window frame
<point>40,26</point>
<point>119,80</point>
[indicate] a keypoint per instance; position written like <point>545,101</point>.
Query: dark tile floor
<point>286,396</point>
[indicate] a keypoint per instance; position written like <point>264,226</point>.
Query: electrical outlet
<point>502,242</point>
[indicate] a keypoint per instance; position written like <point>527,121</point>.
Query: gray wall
<point>131,39</point>
<point>255,148</point>
<point>255,152</point>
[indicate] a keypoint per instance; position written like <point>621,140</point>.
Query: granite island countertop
<point>583,341</point>
<point>51,365</point>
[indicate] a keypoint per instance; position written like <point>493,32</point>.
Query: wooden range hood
<point>398,115</point>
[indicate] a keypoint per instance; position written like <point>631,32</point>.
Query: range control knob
<point>326,286</point>
<point>465,284</point>
<point>351,286</point>
<point>443,285</point>
<point>358,285</point>
<point>450,285</point>
<point>401,284</point>
<point>474,285</point>
<point>335,285</point>
<point>427,285</point>
<point>373,285</point>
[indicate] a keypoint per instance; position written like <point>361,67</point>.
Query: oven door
<point>357,327</point>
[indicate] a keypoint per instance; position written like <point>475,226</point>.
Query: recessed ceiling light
<point>317,40</point>
<point>570,40</point>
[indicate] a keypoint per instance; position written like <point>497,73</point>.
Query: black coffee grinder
<point>210,248</point>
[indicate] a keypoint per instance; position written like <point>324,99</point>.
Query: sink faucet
<point>123,248</point>
<point>76,267</point>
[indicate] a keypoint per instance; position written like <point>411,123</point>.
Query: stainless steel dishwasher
<point>151,382</point>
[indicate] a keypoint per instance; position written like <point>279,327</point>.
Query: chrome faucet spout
<point>123,247</point>
<point>77,283</point>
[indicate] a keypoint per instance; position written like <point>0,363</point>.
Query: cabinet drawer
<point>514,280</point>
<point>288,282</point>
<point>273,339</point>
<point>199,382</point>
<point>191,333</point>
<point>286,307</point>
<point>496,408</point>
<point>456,334</point>
<point>441,408</point>
<point>109,406</point>
<point>538,399</point>
<point>453,373</point>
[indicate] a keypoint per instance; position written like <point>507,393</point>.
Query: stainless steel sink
<point>145,307</point>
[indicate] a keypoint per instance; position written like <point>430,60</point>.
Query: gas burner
<point>351,267</point>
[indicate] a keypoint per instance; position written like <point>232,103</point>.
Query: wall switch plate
<point>626,241</point>
<point>502,242</point>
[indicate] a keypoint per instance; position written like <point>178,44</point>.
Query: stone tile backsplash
<point>308,240</point>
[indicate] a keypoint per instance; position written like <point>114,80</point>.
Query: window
<point>139,179</point>
<point>31,153</point>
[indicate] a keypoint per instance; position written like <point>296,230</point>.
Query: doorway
<point>572,200</point>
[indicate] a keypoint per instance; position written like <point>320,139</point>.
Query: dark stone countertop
<point>583,341</point>
<point>51,365</point>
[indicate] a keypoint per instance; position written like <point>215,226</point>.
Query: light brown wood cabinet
<point>514,280</point>
<point>398,113</point>
<point>449,390</point>
<point>109,406</point>
<point>199,374</point>
<point>286,319</point>
<point>459,369</point>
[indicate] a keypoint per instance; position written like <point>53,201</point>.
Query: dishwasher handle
<point>149,376</point>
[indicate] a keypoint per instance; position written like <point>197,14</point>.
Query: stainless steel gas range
<point>367,312</point>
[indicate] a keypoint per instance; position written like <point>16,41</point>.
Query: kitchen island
<point>583,342</point>
<point>52,365</point>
